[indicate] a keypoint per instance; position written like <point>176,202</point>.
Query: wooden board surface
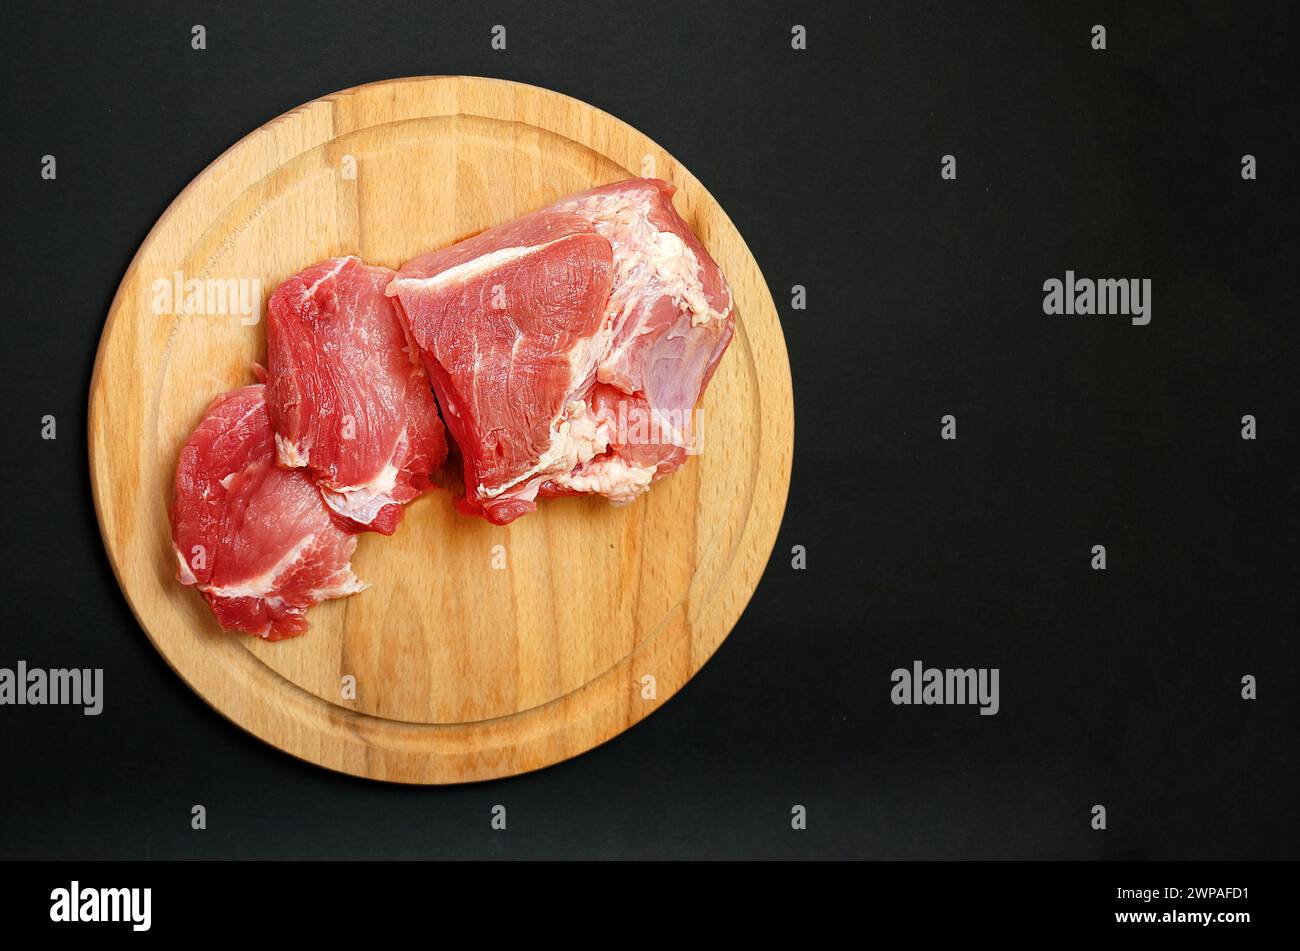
<point>463,669</point>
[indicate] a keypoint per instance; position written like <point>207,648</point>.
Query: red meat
<point>348,396</point>
<point>256,539</point>
<point>569,348</point>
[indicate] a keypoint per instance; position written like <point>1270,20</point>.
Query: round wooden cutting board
<point>478,651</point>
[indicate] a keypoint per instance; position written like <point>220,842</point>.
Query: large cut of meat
<point>255,538</point>
<point>348,396</point>
<point>568,348</point>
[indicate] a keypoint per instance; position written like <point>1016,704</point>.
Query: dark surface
<point>1118,687</point>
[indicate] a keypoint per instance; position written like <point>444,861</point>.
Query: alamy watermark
<point>1123,297</point>
<point>638,426</point>
<point>75,903</point>
<point>209,296</point>
<point>951,685</point>
<point>35,686</point>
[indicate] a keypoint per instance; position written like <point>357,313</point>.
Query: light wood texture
<point>463,671</point>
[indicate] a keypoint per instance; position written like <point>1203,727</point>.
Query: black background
<point>1119,687</point>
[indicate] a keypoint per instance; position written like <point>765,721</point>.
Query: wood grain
<point>463,671</point>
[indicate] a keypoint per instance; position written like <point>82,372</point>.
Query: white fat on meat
<point>183,573</point>
<point>343,583</point>
<point>611,476</point>
<point>642,254</point>
<point>363,503</point>
<point>289,454</point>
<point>576,437</point>
<point>466,270</point>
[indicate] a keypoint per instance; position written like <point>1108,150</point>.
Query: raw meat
<point>510,324</point>
<point>545,337</point>
<point>256,539</point>
<point>347,393</point>
<point>669,319</point>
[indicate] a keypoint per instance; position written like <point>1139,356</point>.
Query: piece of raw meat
<point>255,538</point>
<point>347,393</point>
<point>568,348</point>
<point>510,323</point>
<point>669,318</point>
